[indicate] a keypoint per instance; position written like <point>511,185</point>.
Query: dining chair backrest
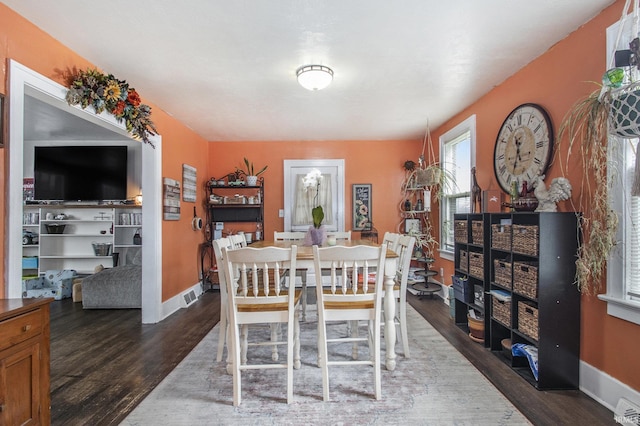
<point>391,239</point>
<point>340,235</point>
<point>405,252</point>
<point>296,236</point>
<point>350,296</point>
<point>256,295</point>
<point>259,274</point>
<point>288,236</point>
<point>237,240</point>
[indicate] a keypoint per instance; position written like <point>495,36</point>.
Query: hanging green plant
<point>106,93</point>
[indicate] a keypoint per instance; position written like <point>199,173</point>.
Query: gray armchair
<point>114,288</point>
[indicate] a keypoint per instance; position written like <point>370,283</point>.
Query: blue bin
<point>462,289</point>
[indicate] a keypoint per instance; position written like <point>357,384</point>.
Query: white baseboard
<point>178,301</point>
<point>605,389</point>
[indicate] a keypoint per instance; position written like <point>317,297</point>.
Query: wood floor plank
<point>104,362</point>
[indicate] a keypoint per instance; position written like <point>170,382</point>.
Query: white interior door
<point>293,169</point>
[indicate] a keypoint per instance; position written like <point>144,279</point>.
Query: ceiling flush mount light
<point>314,77</point>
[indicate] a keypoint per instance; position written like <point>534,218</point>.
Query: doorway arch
<point>26,82</point>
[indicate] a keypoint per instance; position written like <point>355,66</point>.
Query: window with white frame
<point>457,157</point>
<point>623,266</point>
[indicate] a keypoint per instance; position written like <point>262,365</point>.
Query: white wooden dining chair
<point>340,235</point>
<point>348,298</point>
<point>297,237</point>
<point>218,245</point>
<point>288,236</point>
<point>405,251</point>
<point>238,240</point>
<point>391,239</point>
<point>255,296</point>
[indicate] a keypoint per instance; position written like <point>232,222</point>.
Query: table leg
<point>389,324</point>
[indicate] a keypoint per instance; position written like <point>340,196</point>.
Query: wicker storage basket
<point>460,232</point>
<point>477,232</point>
<point>501,311</point>
<point>502,272</point>
<point>476,264</point>
<point>525,279</point>
<point>501,237</point>
<point>528,319</point>
<point>464,261</point>
<point>525,239</point>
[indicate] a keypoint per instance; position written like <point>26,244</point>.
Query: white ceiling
<point>227,68</point>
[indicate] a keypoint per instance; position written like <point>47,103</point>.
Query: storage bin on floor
<point>56,284</point>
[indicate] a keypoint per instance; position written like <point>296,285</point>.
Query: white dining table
<point>304,260</point>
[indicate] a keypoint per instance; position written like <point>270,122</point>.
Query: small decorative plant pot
<point>252,180</point>
<point>624,117</point>
<point>476,328</point>
<point>429,176</point>
<point>315,236</point>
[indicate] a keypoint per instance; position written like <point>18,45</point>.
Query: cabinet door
<point>20,386</point>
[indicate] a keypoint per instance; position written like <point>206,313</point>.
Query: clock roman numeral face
<point>523,146</point>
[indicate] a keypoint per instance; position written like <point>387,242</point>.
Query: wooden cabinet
<point>528,272</point>
<point>24,362</point>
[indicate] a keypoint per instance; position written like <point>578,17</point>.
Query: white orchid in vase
<point>311,184</point>
<point>315,234</point>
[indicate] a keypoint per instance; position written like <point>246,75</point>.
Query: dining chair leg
<point>322,360</point>
<point>403,329</point>
<point>296,343</point>
<point>222,334</point>
<point>235,366</point>
<point>244,333</point>
<point>274,338</point>
<point>376,356</point>
<point>320,356</point>
<point>353,326</point>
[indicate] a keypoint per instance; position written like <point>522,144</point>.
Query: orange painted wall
<point>556,80</point>
<point>24,42</point>
<point>376,162</point>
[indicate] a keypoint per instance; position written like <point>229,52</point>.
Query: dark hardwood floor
<point>104,362</point>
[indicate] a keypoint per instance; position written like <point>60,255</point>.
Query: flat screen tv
<point>80,173</point>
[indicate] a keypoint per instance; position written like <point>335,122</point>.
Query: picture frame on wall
<point>361,206</point>
<point>412,226</point>
<point>189,183</point>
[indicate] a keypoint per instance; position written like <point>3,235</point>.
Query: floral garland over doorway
<point>106,93</point>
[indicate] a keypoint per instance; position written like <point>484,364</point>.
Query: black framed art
<point>361,206</point>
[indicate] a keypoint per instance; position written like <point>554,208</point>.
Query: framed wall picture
<point>362,206</point>
<point>188,183</point>
<point>171,199</point>
<point>412,226</point>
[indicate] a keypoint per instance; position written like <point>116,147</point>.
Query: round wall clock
<point>523,146</point>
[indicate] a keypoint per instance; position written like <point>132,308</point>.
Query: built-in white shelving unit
<point>84,228</point>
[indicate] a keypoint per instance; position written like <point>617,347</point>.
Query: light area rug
<point>436,386</point>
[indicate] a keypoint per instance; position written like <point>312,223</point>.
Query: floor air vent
<point>189,297</point>
<point>627,413</point>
